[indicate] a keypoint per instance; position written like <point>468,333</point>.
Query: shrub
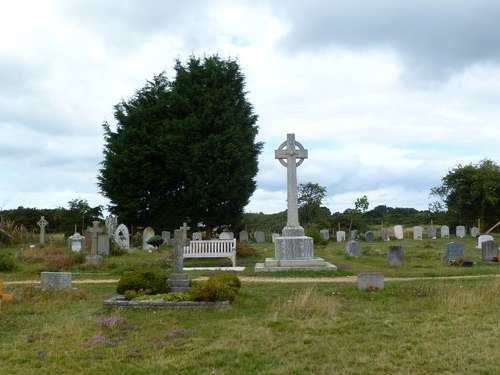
<point>219,287</point>
<point>230,279</point>
<point>155,241</point>
<point>246,251</point>
<point>7,262</point>
<point>151,282</point>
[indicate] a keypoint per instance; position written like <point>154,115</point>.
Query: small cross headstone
<point>340,235</point>
<point>4,296</point>
<point>42,223</point>
<point>260,237</point>
<point>445,231</point>
<point>489,250</point>
<point>417,232</point>
<point>325,234</point>
<point>243,236</point>
<point>398,232</point>
<point>454,250</point>
<point>353,248</point>
<point>474,232</point>
<point>369,236</point>
<point>460,231</point>
<point>95,230</point>
<point>395,256</point>
<point>178,280</point>
<point>147,234</point>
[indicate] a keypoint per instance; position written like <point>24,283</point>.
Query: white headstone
<point>147,234</point>
<point>474,231</point>
<point>274,236</point>
<point>243,236</point>
<point>460,231</point>
<point>197,236</point>
<point>325,234</point>
<point>76,242</point>
<point>445,231</point>
<point>260,236</point>
<point>122,237</point>
<point>417,233</point>
<point>398,232</point>
<point>483,238</point>
<point>340,235</point>
<point>224,236</point>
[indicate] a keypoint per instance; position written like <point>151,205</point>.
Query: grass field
<point>432,326</point>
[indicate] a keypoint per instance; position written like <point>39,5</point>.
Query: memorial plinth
<point>293,250</point>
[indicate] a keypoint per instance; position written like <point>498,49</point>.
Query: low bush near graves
<point>147,281</point>
<point>219,287</point>
<point>246,251</point>
<point>7,262</point>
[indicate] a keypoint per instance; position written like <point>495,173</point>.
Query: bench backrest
<point>211,247</point>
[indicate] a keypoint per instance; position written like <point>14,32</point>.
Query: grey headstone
<point>445,231</point>
<point>395,256</point>
<point>167,239</point>
<point>384,234</point>
<point>353,248</point>
<point>340,236</point>
<point>489,249</point>
<point>103,244</point>
<point>111,222</point>
<point>431,232</point>
<point>42,223</point>
<point>147,234</point>
<point>274,236</point>
<point>369,236</point>
<point>224,236</point>
<point>95,230</point>
<point>122,237</point>
<point>398,232</point>
<point>460,231</point>
<point>370,280</point>
<point>197,236</point>
<point>417,232</point>
<point>454,250</point>
<point>354,234</point>
<point>55,280</point>
<point>474,231</point>
<point>243,236</point>
<point>260,237</point>
<point>483,238</point>
<point>325,234</point>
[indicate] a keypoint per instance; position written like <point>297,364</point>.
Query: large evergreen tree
<point>471,192</point>
<point>183,150</point>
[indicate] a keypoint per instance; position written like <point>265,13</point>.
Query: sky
<point>387,96</point>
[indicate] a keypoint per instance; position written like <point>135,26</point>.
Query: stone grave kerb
<point>42,223</point>
<point>4,296</point>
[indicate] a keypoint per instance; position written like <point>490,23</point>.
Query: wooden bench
<point>211,249</point>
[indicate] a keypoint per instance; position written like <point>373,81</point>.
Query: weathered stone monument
<point>371,281</point>
<point>445,231</point>
<point>95,257</point>
<point>474,231</point>
<point>483,238</point>
<point>42,223</point>
<point>224,236</point>
<point>369,236</point>
<point>122,237</point>
<point>395,256</point>
<point>353,248</point>
<point>417,232</point>
<point>454,250</point>
<point>293,250</point>
<point>489,250</point>
<point>460,231</point>
<point>55,280</point>
<point>384,235</point>
<point>76,242</point>
<point>243,236</point>
<point>260,237</point>
<point>147,234</point>
<point>166,237</point>
<point>178,280</point>
<point>340,235</point>
<point>111,222</point>
<point>431,232</point>
<point>398,232</point>
<point>325,234</point>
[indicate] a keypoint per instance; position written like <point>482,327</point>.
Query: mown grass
<point>419,327</point>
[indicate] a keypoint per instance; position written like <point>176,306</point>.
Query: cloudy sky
<point>386,95</point>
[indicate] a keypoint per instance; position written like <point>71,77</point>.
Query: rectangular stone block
<point>55,280</point>
<point>294,247</point>
<point>370,280</point>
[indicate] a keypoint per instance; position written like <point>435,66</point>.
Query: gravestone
<point>122,237</point>
<point>371,281</point>
<point>354,234</point>
<point>95,230</point>
<point>454,250</point>
<point>489,249</point>
<point>445,231</point>
<point>395,256</point>
<point>224,236</point>
<point>243,235</point>
<point>340,235</point>
<point>87,234</point>
<point>147,233</point>
<point>293,250</point>
<point>369,236</point>
<point>260,237</point>
<point>398,232</point>
<point>274,236</point>
<point>352,248</point>
<point>231,235</point>
<point>483,238</point>
<point>42,223</point>
<point>474,231</point>
<point>325,234</point>
<point>384,235</point>
<point>179,280</point>
<point>431,232</point>
<point>76,242</point>
<point>103,244</point>
<point>167,240</point>
<point>417,232</point>
<point>111,222</point>
<point>55,280</point>
<point>197,236</point>
<point>460,231</point>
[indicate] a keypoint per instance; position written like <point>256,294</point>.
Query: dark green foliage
<point>312,230</point>
<point>7,262</point>
<point>471,192</point>
<point>183,150</point>
<point>219,287</point>
<point>151,282</point>
<point>155,241</point>
<point>246,251</point>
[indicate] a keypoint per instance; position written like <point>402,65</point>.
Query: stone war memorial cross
<point>293,250</point>
<point>42,223</point>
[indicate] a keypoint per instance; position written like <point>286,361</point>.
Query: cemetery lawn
<point>411,327</point>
